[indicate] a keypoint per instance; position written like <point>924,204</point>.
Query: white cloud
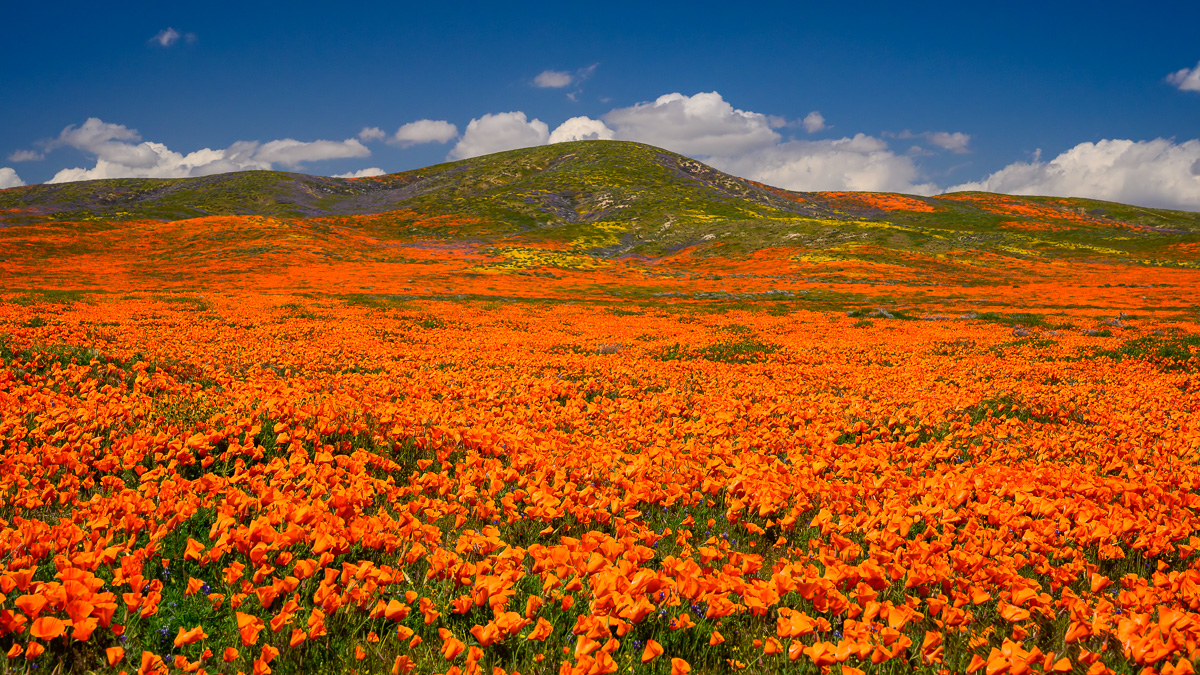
<point>1186,79</point>
<point>361,173</point>
<point>814,122</point>
<point>553,79</point>
<point>119,154</point>
<point>371,134</point>
<point>166,37</point>
<point>1156,173</point>
<point>26,156</point>
<point>954,142</point>
<point>561,79</point>
<point>499,132</point>
<point>166,163</point>
<point>858,163</point>
<point>744,143</point>
<point>581,129</point>
<point>94,132</point>
<point>109,142</point>
<point>703,124</point>
<point>9,178</point>
<point>424,131</point>
<point>292,153</point>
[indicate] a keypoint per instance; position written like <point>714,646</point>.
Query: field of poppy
<point>262,482</point>
<point>275,444</point>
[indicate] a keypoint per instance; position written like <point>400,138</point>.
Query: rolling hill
<point>588,220</point>
<point>611,197</point>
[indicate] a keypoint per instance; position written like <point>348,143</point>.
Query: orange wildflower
<point>114,655</point>
<point>47,628</point>
<point>190,636</point>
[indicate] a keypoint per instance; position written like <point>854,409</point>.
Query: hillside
<point>609,221</point>
<point>569,182</point>
<point>609,198</point>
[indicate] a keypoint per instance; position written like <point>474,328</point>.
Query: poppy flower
<point>652,651</point>
<point>47,628</point>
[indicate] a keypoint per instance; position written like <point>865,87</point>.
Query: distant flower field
<point>296,483</point>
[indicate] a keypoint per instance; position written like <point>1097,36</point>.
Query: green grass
<point>730,350</point>
<point>53,297</point>
<point>1173,353</point>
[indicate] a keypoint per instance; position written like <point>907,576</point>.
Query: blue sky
<point>1098,99</point>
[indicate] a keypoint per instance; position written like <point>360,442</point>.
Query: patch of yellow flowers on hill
<point>523,258</point>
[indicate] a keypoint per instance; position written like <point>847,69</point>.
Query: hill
<point>598,220</point>
<point>611,197</point>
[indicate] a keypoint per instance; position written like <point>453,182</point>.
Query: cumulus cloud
<point>9,178</point>
<point>745,143</point>
<point>1156,173</point>
<point>814,122</point>
<point>110,143</point>
<point>293,154</point>
<point>1186,79</point>
<point>703,124</point>
<point>954,142</point>
<point>120,153</point>
<point>26,156</point>
<point>371,134</point>
<point>553,79</point>
<point>581,129</point>
<point>499,132</point>
<point>858,163</point>
<point>166,163</point>
<point>561,79</point>
<point>424,131</point>
<point>361,173</point>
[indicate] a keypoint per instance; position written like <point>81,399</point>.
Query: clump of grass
<point>51,297</point>
<point>746,350</point>
<point>1014,319</point>
<point>878,313</point>
<point>43,357</point>
<point>1176,353</point>
<point>736,351</point>
<point>373,301</point>
<point>1024,341</point>
<point>296,310</point>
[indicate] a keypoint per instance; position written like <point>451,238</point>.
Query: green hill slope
<point>610,198</point>
<point>568,182</point>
